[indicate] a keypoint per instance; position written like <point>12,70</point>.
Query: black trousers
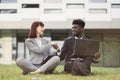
<point>78,67</point>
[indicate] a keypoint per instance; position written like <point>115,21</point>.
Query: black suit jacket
<point>68,49</point>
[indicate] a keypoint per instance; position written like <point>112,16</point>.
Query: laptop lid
<point>86,47</point>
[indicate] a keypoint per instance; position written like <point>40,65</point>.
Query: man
<point>76,65</point>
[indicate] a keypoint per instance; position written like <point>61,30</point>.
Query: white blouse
<point>39,42</point>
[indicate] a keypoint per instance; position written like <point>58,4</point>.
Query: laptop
<point>86,47</point>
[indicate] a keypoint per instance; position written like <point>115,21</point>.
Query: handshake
<point>55,46</point>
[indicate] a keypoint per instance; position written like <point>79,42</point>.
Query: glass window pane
<point>5,11</point>
<point>20,49</point>
<point>0,55</point>
<point>99,11</point>
<point>30,5</point>
<point>73,5</point>
<point>53,11</point>
<point>115,6</point>
<point>52,1</point>
<point>98,1</point>
<point>14,46</point>
<point>8,1</point>
<point>59,36</point>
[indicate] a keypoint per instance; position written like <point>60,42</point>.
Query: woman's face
<point>40,30</point>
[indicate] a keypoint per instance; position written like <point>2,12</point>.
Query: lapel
<point>72,42</point>
<point>43,41</point>
<point>33,40</point>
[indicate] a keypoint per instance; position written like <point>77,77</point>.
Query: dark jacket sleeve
<point>63,50</point>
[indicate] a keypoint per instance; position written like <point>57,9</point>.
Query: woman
<point>39,49</point>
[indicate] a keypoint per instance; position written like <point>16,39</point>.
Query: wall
<point>6,50</point>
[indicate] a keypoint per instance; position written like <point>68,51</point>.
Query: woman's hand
<point>55,46</point>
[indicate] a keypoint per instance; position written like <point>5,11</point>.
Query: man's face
<point>77,30</point>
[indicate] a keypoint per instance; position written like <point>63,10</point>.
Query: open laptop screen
<point>86,47</point>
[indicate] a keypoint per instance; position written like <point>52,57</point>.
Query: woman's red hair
<point>32,32</point>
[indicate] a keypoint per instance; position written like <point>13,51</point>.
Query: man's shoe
<point>80,68</point>
<point>24,73</point>
<point>49,72</point>
<point>64,72</point>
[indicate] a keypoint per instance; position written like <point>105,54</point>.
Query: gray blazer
<point>38,54</point>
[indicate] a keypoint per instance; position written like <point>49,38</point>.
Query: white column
<point>6,50</point>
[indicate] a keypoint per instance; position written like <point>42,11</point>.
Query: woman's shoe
<point>36,72</point>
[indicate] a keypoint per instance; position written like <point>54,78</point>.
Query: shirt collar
<point>78,38</point>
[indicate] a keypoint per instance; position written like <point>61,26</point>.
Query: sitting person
<point>80,65</point>
<point>39,49</point>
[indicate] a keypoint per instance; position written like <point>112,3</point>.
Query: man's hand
<point>96,58</point>
<point>97,55</point>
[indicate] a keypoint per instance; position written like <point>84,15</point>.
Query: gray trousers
<point>50,65</point>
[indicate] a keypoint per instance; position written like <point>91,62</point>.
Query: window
<point>52,1</point>
<point>98,1</point>
<point>6,11</point>
<point>75,5</point>
<point>14,42</point>
<point>115,5</point>
<point>14,48</point>
<point>53,11</point>
<point>30,5</point>
<point>8,1</point>
<point>97,11</point>
<point>59,36</point>
<point>0,55</point>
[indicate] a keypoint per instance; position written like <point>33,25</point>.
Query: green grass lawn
<point>12,72</point>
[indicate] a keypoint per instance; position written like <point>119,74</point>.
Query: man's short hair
<point>79,22</point>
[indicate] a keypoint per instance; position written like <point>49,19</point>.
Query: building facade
<point>102,19</point>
